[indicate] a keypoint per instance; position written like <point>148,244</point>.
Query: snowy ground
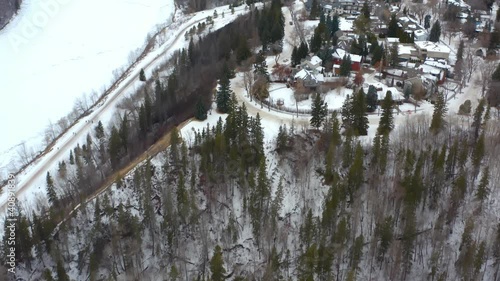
<point>56,50</point>
<point>30,186</point>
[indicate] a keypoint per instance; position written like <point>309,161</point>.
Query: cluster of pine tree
<point>171,101</point>
<point>377,202</point>
<point>271,25</point>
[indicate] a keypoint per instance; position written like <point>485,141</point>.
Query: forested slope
<point>309,205</point>
<point>7,10</point>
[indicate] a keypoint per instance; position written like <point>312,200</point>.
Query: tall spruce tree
<point>315,10</point>
<point>345,66</point>
<point>435,32</point>
<point>360,116</point>
<point>224,92</point>
<point>51,192</point>
<point>347,112</point>
<point>386,120</point>
<point>438,122</point>
<point>217,265</point>
<point>142,76</point>
<point>319,112</point>
<point>201,111</point>
<point>372,98</point>
<point>427,21</point>
<point>393,28</point>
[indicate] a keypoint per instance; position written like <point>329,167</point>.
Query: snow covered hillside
<point>54,51</point>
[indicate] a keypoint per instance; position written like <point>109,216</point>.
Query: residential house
<point>382,90</point>
<point>420,35</point>
<point>407,52</point>
<point>422,87</point>
<point>309,79</point>
<point>338,56</point>
<point>428,49</point>
<point>310,72</point>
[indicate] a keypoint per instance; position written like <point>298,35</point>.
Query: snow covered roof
<point>433,47</point>
<point>316,60</point>
<point>429,69</point>
<point>345,25</point>
<point>405,49</point>
<point>382,90</point>
<point>395,72</point>
<point>339,54</point>
<point>392,40</point>
<point>420,32</point>
<point>439,63</point>
<point>404,19</point>
<point>328,7</point>
<point>306,74</point>
<point>459,3</point>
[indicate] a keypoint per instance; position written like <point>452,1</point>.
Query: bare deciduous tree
<point>471,62</point>
<point>486,69</point>
<point>248,81</point>
<point>25,153</point>
<point>419,10</point>
<point>82,104</point>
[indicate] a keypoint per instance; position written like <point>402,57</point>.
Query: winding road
<point>71,138</point>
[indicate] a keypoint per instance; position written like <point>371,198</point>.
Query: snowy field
<point>55,51</point>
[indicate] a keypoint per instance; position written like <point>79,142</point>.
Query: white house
<point>427,49</point>
<point>420,35</point>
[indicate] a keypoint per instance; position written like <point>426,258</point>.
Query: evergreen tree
<point>480,258</point>
<point>114,147</point>
<point>393,29</point>
<point>201,111</point>
<point>386,120</point>
<point>460,51</point>
<point>378,54</point>
<point>174,273</point>
<point>260,66</point>
<point>315,10</point>
<point>372,98</point>
<point>318,111</point>
<point>347,112</point>
<point>384,231</point>
<point>477,119</point>
<point>243,51</point>
<point>427,21</point>
<point>316,40</point>
<point>478,153</point>
<point>71,158</point>
<point>295,60</point>
<point>124,132</point>
<point>394,55</point>
<point>224,95</point>
<point>302,52</point>
<point>51,193</point>
<point>360,116</point>
<point>365,10</point>
<point>482,189</point>
<point>438,122</point>
<point>355,176</point>
<point>333,28</point>
<point>61,272</point>
<point>142,76</point>
<point>282,139</point>
<point>99,130</point>
<point>47,275</point>
<point>345,66</point>
<point>435,32</point>
<point>217,265</point>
